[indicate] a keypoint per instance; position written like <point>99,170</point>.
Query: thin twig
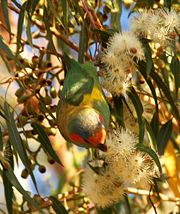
<point>163,197</point>
<point>53,30</point>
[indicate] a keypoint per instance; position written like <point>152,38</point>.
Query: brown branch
<point>163,197</point>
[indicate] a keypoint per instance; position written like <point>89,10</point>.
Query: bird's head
<point>86,128</point>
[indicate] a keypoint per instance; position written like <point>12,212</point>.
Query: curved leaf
<point>139,110</point>
<point>20,27</point>
<point>9,174</point>
<point>16,141</point>
<point>163,136</point>
<point>45,142</point>
<point>148,56</point>
<point>57,206</point>
<point>8,191</point>
<point>166,92</point>
<point>151,153</point>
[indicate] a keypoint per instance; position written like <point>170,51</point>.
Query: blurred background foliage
<point>39,171</point>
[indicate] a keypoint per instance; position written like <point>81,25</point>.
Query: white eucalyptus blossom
<point>158,25</point>
<point>102,189</point>
<point>119,59</point>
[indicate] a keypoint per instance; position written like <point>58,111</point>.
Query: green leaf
<point>168,3</point>
<point>166,92</point>
<point>163,136</point>
<point>142,69</point>
<point>1,140</point>
<point>108,210</point>
<point>65,13</point>
<point>14,181</point>
<point>151,136</point>
<point>151,153</point>
<point>8,191</point>
<point>175,67</point>
<point>4,5</point>
<point>82,43</point>
<point>46,19</point>
<point>16,141</point>
<point>9,53</point>
<point>20,27</point>
<point>148,56</point>
<point>57,206</point>
<point>139,110</point>
<point>116,14</point>
<point>28,29</point>
<point>53,10</point>
<point>45,142</point>
<point>118,111</point>
<point>34,3</point>
<point>155,124</point>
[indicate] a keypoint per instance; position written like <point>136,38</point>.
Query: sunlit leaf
<point>57,206</point>
<point>151,153</point>
<point>163,136</point>
<point>45,142</point>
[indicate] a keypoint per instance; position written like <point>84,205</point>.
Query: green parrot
<point>83,113</point>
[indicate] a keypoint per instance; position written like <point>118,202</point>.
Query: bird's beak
<point>98,139</point>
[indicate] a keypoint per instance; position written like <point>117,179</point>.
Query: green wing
<point>99,104</point>
<point>77,83</point>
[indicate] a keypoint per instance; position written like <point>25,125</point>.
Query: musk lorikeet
<point>83,113</point>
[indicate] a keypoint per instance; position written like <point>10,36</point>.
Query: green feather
<point>80,80</point>
<point>77,83</point>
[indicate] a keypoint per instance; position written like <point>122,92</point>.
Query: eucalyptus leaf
<point>49,34</point>
<point>82,43</point>
<point>1,140</point>
<point>139,110</point>
<point>148,56</point>
<point>57,206</point>
<point>45,142</point>
<point>8,191</point>
<point>175,67</point>
<point>9,53</point>
<point>166,92</point>
<point>16,141</point>
<point>20,27</point>
<point>164,136</point>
